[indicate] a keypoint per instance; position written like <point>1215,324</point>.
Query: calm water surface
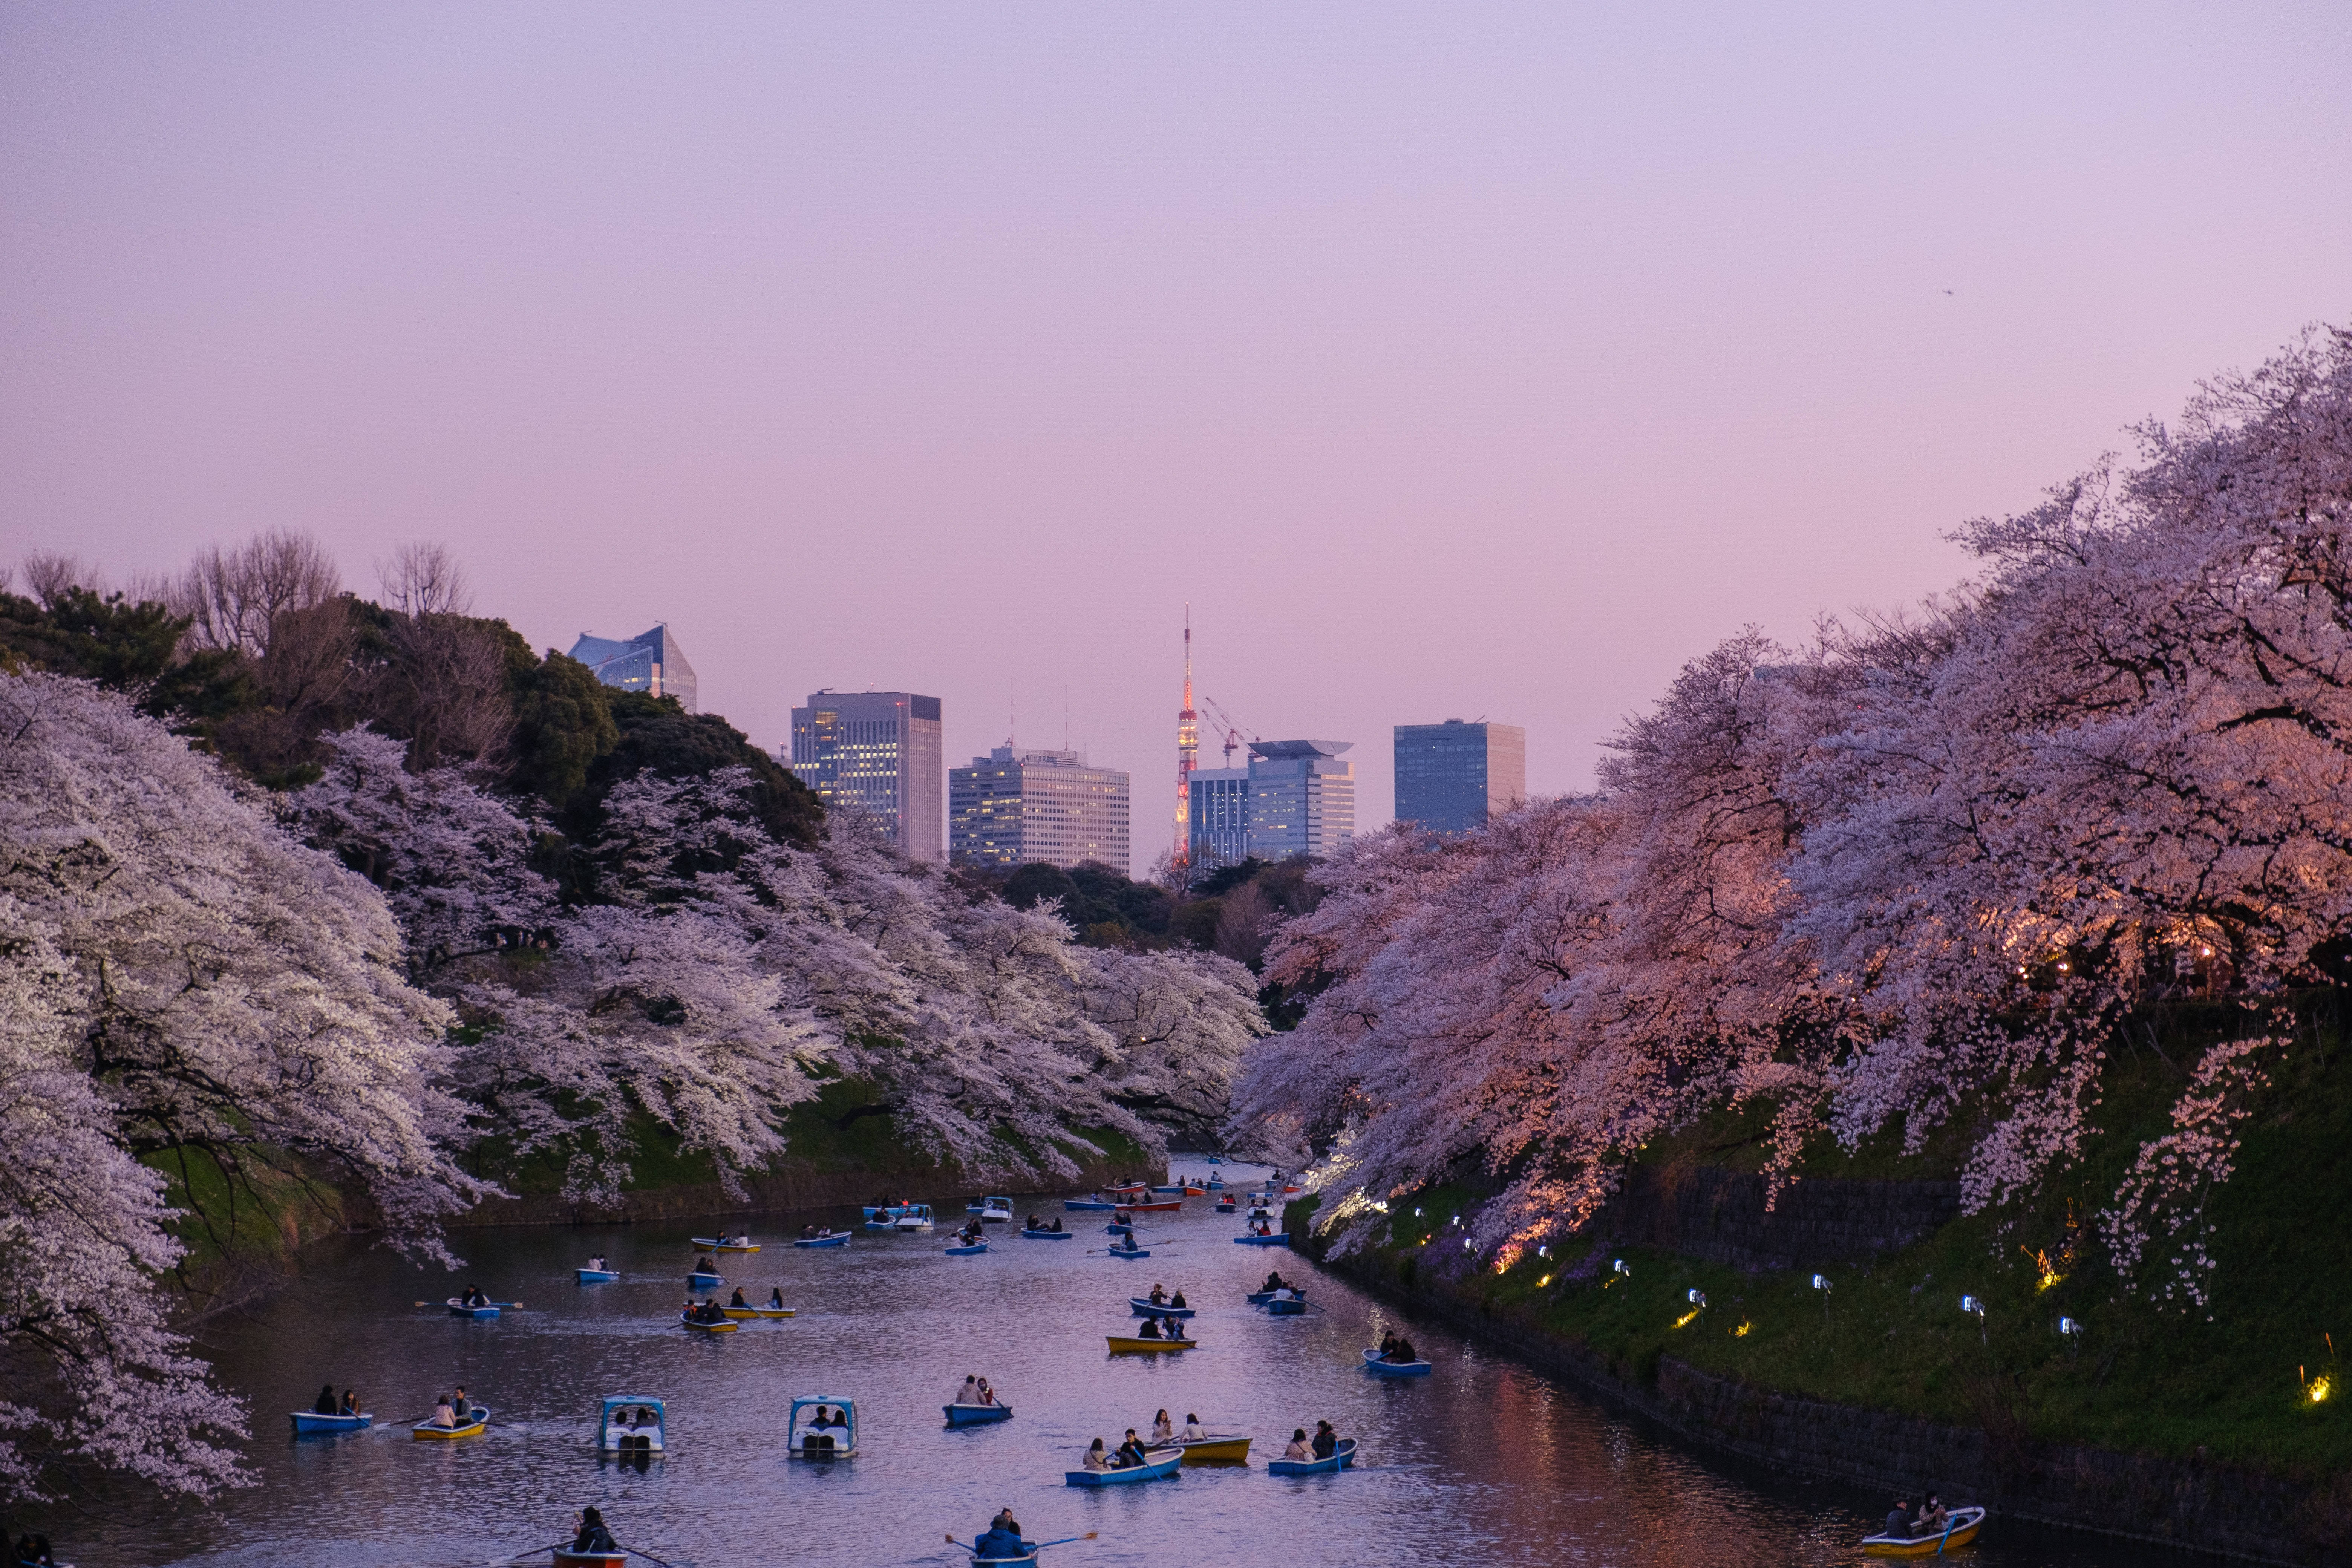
<point>1485,1462</point>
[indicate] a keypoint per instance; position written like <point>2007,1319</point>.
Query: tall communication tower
<point>1188,753</point>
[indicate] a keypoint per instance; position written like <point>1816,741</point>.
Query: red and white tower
<point>1188,753</point>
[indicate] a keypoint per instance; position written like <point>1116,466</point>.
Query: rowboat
<point>477,1421</point>
<point>1129,1187</point>
<point>1175,1187</point>
<point>883,1211</point>
<point>742,1312</point>
<point>1172,1205</point>
<point>1217,1449</point>
<point>1120,1344</point>
<point>631,1424</point>
<point>991,1211</point>
<point>459,1310</point>
<point>1373,1363</point>
<point>977,1414</point>
<point>1260,1298</point>
<point>1144,1308</point>
<point>1965,1523</point>
<point>1115,1228</point>
<point>1280,1238</point>
<point>716,1244</point>
<point>840,1240</point>
<point>1277,1306</point>
<point>724,1325</point>
<point>565,1556</point>
<point>1048,1234</point>
<point>1226,1207</point>
<point>915,1216</point>
<point>597,1276</point>
<point>1343,1455</point>
<point>1216,1160</point>
<point>1083,1206</point>
<point>965,1251</point>
<point>829,1442</point>
<point>1193,1192</point>
<point>1158,1464</point>
<point>701,1280</point>
<point>1126,1251</point>
<point>307,1422</point>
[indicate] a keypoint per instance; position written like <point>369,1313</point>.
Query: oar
<point>1949,1520</point>
<point>647,1555</point>
<point>518,1556</point>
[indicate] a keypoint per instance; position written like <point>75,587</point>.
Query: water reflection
<point>1485,1462</point>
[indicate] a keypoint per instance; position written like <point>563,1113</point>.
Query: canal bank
<point>2191,1503</point>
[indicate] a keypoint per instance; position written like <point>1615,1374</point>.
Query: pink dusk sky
<point>1464,361</point>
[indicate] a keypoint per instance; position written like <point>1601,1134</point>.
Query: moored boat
<point>1373,1363</point>
<point>1145,1309</point>
<point>597,1276</point>
<point>309,1421</point>
<point>1158,1464</point>
<point>977,1414</point>
<point>477,1421</point>
<point>1964,1525</point>
<point>1217,1449</point>
<point>1280,1238</point>
<point>840,1238</point>
<point>1122,1344</point>
<point>1342,1455</point>
<point>1047,1235</point>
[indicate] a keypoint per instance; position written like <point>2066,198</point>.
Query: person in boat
<point>1057,1223</point>
<point>1327,1441</point>
<point>1898,1518</point>
<point>987,1395</point>
<point>597,1263</point>
<point>970,1392</point>
<point>1173,1327</point>
<point>1096,1459</point>
<point>1158,1297</point>
<point>1163,1431</point>
<point>34,1551</point>
<point>808,1233</point>
<point>1387,1343</point>
<point>443,1414</point>
<point>1933,1516</point>
<point>999,1543</point>
<point>1193,1431</point>
<point>1151,1330</point>
<point>461,1404</point>
<point>1131,1453</point>
<point>1298,1448</point>
<point>325,1404</point>
<point>1177,1301</point>
<point>1272,1281</point>
<point>589,1533</point>
<point>1034,1224</point>
<point>1403,1355</point>
<point>775,1298</point>
<point>711,1314</point>
<point>350,1405</point>
<point>737,1300</point>
<point>704,1266</point>
<point>1263,1228</point>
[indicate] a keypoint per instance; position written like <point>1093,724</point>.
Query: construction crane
<point>1234,732</point>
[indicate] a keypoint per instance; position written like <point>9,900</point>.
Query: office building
<point>653,663</point>
<point>1451,777</point>
<point>1017,805</point>
<point>1302,798</point>
<point>878,753</point>
<point>1220,817</point>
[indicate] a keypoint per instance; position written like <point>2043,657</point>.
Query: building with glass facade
<point>653,663</point>
<point>1219,826</point>
<point>1451,777</point>
<point>878,753</point>
<point>1302,798</point>
<point>1017,805</point>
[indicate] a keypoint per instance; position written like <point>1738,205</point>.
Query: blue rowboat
<point>1225,1206</point>
<point>977,1414</point>
<point>1125,1252</point>
<point>1178,1189</point>
<point>1049,1235</point>
<point>965,1251</point>
<point>1280,1238</point>
<point>1082,1206</point>
<point>1144,1309</point>
<point>702,1281</point>
<point>1373,1363</point>
<point>1343,1456</point>
<point>1160,1463</point>
<point>1260,1298</point>
<point>598,1276</point>
<point>720,1243</point>
<point>840,1240</point>
<point>307,1422</point>
<point>1294,1308</point>
<point>1116,1230</point>
<point>459,1310</point>
<point>1216,1160</point>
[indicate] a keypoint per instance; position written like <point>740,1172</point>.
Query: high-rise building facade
<point>1302,798</point>
<point>1017,805</point>
<point>653,663</point>
<point>1220,817</point>
<point>878,753</point>
<point>1451,777</point>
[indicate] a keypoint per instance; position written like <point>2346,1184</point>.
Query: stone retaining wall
<point>1718,1216</point>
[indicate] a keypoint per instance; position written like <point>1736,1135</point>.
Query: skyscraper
<point>878,753</point>
<point>1302,798</point>
<point>1451,777</point>
<point>1220,817</point>
<point>652,663</point>
<point>1020,803</point>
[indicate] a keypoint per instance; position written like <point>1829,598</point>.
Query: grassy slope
<point>1892,1336</point>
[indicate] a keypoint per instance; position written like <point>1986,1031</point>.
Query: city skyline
<point>692,325</point>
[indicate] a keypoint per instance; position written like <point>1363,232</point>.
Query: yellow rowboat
<point>1120,1344</point>
<point>474,1426</point>
<point>759,1312</point>
<point>1965,1523</point>
<point>726,1326</point>
<point>1215,1449</point>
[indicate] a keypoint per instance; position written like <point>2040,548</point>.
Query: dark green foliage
<point>1225,879</point>
<point>659,736</point>
<point>126,646</point>
<point>564,724</point>
<point>1106,908</point>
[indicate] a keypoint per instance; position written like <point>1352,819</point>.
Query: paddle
<point>1949,1519</point>
<point>518,1556</point>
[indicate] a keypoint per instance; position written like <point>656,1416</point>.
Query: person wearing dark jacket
<point>1000,1545</point>
<point>593,1536</point>
<point>1131,1453</point>
<point>325,1404</point>
<point>1327,1442</point>
<point>1898,1518</point>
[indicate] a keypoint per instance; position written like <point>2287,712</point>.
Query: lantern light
<point>2069,1326</point>
<point>1698,1298</point>
<point>1820,1281</point>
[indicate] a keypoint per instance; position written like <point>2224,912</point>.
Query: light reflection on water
<point>1485,1462</point>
